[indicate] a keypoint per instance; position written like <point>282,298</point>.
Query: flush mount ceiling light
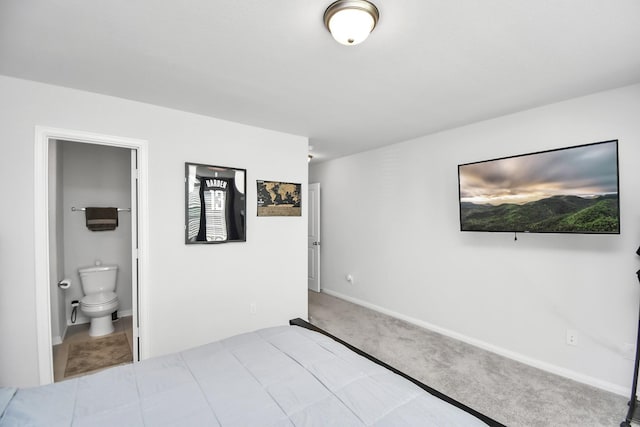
<point>351,21</point>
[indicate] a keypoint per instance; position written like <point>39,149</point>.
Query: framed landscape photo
<point>215,204</point>
<point>279,198</point>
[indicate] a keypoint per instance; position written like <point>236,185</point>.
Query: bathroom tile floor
<point>78,333</point>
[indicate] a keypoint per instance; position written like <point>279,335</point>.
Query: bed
<point>295,375</point>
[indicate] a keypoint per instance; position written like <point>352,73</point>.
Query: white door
<point>134,255</point>
<point>314,237</point>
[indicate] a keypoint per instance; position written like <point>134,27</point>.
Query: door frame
<point>41,231</point>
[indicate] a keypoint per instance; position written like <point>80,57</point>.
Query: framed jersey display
<point>215,204</point>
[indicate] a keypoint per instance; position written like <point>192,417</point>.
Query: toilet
<point>100,299</point>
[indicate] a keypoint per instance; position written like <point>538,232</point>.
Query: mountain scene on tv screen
<point>560,214</point>
<point>570,190</point>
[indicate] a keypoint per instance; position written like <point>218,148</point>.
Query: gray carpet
<point>508,391</point>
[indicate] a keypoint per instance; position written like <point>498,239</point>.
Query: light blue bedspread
<point>283,376</point>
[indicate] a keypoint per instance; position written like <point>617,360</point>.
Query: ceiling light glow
<point>351,21</point>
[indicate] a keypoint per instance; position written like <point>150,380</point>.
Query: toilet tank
<point>98,279</point>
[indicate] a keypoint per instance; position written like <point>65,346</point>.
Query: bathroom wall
<point>95,175</point>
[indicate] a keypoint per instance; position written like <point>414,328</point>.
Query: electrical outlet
<point>572,337</point>
<point>253,308</point>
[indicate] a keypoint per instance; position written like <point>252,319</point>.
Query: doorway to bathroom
<point>74,171</point>
<point>83,176</point>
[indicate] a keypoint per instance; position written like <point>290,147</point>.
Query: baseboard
<point>58,339</point>
<point>125,313</point>
<point>557,370</point>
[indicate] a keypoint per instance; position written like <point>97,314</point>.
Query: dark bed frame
<point>487,420</point>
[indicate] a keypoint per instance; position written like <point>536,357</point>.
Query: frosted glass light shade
<point>351,22</point>
<point>351,26</point>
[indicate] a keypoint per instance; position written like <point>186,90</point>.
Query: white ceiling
<point>429,65</point>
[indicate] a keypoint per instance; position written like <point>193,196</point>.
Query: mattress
<point>281,376</point>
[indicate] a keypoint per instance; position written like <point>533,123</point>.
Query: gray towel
<point>101,219</point>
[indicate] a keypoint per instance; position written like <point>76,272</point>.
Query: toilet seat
<point>101,298</point>
<point>102,301</point>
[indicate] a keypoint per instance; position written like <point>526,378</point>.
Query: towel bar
<point>74,209</point>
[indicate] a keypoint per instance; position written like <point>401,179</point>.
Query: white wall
<point>195,293</point>
<point>390,218</point>
<point>96,175</point>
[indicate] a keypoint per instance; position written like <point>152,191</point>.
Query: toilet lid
<point>99,299</point>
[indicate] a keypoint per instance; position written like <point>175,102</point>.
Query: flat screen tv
<point>568,190</point>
